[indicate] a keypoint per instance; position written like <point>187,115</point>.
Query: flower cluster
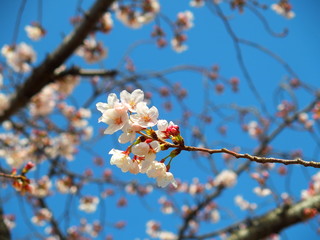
<point>132,116</point>
<point>92,50</point>
<point>134,18</point>
<point>183,23</point>
<point>19,57</point>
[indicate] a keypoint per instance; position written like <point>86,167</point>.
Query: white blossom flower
<point>197,3</point>
<point>131,100</point>
<point>121,160</point>
<point>116,119</point>
<point>92,50</point>
<point>44,102</point>
<point>112,103</point>
<point>262,192</point>
<point>156,169</point>
<point>185,20</point>
<point>243,204</point>
<point>215,216</point>
<point>19,57</point>
<point>164,235</point>
<point>226,178</point>
<point>88,204</point>
<point>283,9</point>
<point>34,32</point>
<point>165,179</point>
<point>129,132</point>
<point>128,17</point>
<point>145,117</point>
<point>178,45</point>
<point>106,22</point>
<point>41,216</point>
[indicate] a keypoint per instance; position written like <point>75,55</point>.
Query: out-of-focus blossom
<point>283,8</point>
<point>226,178</point>
<point>88,204</point>
<point>243,204</point>
<point>92,50</point>
<point>19,57</point>
<point>41,217</point>
<point>35,31</point>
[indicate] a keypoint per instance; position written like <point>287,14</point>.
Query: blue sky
<point>208,44</point>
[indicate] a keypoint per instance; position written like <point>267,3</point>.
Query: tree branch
<point>277,220</point>
<point>43,74</point>
<point>4,231</point>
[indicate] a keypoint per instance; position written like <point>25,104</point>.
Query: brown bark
<point>277,220</point>
<point>4,231</point>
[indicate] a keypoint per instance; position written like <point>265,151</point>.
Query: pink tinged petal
<point>156,169</point>
<point>102,106</point>
<point>165,180</point>
<point>140,149</point>
<point>145,165</point>
<point>131,100</point>
<point>115,119</point>
<point>134,168</point>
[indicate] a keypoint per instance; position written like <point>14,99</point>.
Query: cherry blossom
<point>121,160</point>
<point>19,56</point>
<point>116,119</point>
<point>130,100</point>
<point>165,179</point>
<point>92,51</point>
<point>283,8</point>
<point>145,117</point>
<point>185,20</point>
<point>129,132</point>
<point>177,43</point>
<point>34,31</point>
<point>197,3</point>
<point>89,204</point>
<point>106,23</point>
<point>41,217</point>
<point>226,178</point>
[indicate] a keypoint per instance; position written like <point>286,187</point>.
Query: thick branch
<point>43,74</point>
<point>4,231</point>
<point>277,220</point>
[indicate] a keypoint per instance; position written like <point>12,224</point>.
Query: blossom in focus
<point>145,117</point>
<point>129,132</point>
<point>116,119</point>
<point>121,160</point>
<point>130,100</point>
<point>165,179</point>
